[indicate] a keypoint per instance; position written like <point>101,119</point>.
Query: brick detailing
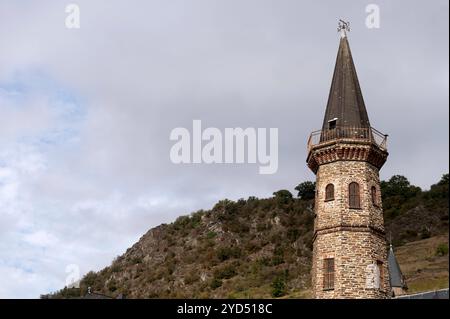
<point>346,150</point>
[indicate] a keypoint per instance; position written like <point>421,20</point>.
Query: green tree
<point>398,185</point>
<point>438,191</point>
<point>306,190</point>
<point>399,196</point>
<point>444,180</point>
<point>283,196</point>
<point>89,279</point>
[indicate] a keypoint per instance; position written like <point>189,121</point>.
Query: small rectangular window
<point>332,124</point>
<point>328,274</point>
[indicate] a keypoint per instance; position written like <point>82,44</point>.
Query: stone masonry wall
<point>353,237</point>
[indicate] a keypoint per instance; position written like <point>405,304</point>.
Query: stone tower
<point>349,248</point>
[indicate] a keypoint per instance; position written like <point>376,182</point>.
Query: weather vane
<point>343,27</point>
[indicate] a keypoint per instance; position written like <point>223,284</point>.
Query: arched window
<point>353,195</point>
<point>329,192</point>
<point>373,192</point>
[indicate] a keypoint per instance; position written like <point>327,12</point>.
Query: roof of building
<point>395,274</point>
<point>438,294</point>
<point>345,101</point>
<point>94,295</point>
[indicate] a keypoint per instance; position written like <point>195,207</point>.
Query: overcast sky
<point>86,114</point>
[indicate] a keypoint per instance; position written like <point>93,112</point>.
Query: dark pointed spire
<point>345,102</point>
<point>395,274</point>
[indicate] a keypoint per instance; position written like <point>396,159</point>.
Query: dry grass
<point>424,270</point>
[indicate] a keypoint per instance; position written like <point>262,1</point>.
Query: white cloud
<point>17,283</point>
<point>40,238</point>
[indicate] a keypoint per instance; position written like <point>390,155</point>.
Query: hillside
<point>261,248</point>
<point>425,263</point>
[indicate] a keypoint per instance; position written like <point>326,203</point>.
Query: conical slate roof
<point>345,102</point>
<point>395,274</point>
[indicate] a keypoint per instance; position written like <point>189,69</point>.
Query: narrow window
<point>329,192</point>
<point>328,274</point>
<point>373,191</point>
<point>353,194</point>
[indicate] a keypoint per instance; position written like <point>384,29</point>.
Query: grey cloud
<point>142,68</point>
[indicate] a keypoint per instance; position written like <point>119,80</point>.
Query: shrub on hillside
<point>215,283</point>
<point>225,253</point>
<point>225,272</point>
<point>279,286</point>
<point>442,250</point>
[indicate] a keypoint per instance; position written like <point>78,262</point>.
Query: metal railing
<point>348,133</point>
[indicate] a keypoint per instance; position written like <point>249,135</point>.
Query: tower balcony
<point>347,134</point>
